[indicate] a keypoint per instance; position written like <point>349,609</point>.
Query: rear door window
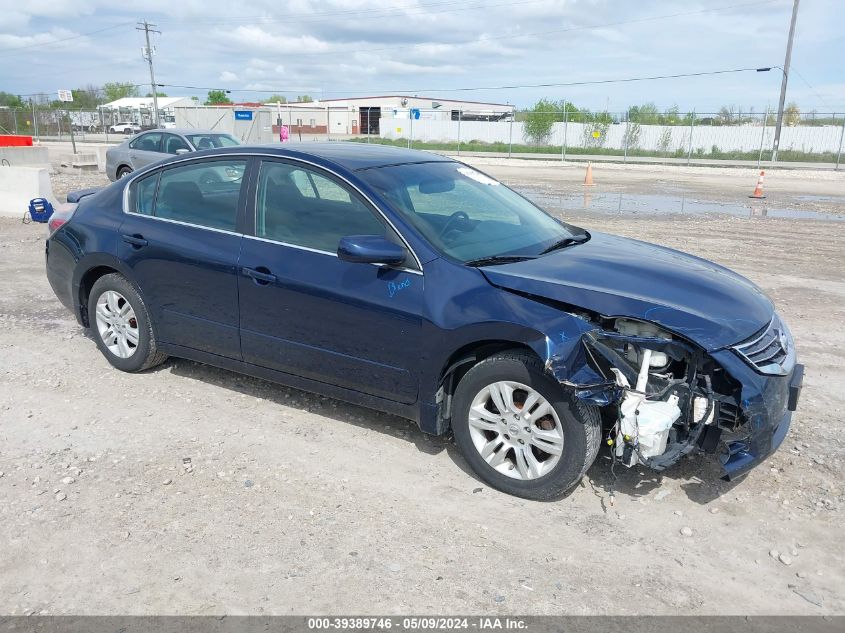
<point>203,194</point>
<point>145,195</point>
<point>147,142</point>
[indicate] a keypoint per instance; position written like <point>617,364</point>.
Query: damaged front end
<point>664,397</point>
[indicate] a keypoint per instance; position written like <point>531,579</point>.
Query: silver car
<point>155,145</point>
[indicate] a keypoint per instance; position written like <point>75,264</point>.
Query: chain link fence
<point>686,138</point>
<point>57,124</point>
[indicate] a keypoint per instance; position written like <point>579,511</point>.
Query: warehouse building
<point>361,115</point>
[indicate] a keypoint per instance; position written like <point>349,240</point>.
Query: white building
<point>140,110</point>
<point>361,115</point>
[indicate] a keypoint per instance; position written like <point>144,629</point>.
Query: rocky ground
<point>193,490</point>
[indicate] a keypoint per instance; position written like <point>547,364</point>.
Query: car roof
<point>185,130</point>
<point>350,156</point>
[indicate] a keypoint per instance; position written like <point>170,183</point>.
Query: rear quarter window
<point>142,199</point>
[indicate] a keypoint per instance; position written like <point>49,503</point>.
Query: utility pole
<point>785,70</point>
<point>148,55</point>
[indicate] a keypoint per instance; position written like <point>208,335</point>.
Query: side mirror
<point>181,151</point>
<point>370,249</point>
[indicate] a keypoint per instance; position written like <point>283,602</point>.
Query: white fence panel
<point>666,138</point>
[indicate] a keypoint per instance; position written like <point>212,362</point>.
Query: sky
<point>437,48</point>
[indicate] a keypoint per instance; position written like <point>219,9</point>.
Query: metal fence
<point>57,124</point>
<point>687,138</point>
<point>684,137</point>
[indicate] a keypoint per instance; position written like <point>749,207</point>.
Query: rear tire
<point>547,438</point>
<point>120,324</point>
<point>123,171</point>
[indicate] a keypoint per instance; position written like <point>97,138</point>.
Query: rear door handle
<point>262,276</point>
<point>135,240</point>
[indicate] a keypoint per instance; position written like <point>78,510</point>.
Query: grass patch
<point>714,154</point>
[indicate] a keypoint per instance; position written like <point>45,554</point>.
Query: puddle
<point>809,198</point>
<point>629,203</point>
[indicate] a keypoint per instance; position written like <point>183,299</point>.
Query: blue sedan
<point>416,285</point>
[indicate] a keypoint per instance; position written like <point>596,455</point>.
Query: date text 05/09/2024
<point>425,623</point>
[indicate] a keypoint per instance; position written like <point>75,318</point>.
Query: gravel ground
<point>192,490</point>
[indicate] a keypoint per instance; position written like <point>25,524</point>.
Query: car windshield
<point>210,141</point>
<point>465,214</point>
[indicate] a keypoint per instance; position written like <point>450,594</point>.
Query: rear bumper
<point>59,266</point>
<point>767,404</point>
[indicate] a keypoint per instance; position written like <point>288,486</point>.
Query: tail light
<point>61,215</point>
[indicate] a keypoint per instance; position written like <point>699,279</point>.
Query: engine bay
<point>662,397</point>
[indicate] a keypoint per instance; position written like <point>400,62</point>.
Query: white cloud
<point>369,46</point>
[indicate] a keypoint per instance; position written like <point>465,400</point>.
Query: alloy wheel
<point>516,430</point>
<point>117,324</point>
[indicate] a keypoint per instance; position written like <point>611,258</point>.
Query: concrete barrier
<point>101,158</point>
<point>19,185</point>
<point>89,158</point>
<point>25,156</point>
<point>75,163</point>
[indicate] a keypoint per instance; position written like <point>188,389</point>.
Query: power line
<point>64,39</point>
<point>599,81</point>
<point>511,87</point>
<point>813,90</point>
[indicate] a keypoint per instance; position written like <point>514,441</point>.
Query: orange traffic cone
<point>758,190</point>
<point>588,178</point>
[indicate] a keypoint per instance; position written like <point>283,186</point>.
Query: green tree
<point>631,137</point>
<point>10,101</point>
<point>792,115</point>
<point>665,140</point>
<point>217,97</point>
<point>672,116</point>
<point>158,94</point>
<point>728,115</point>
<point>573,113</point>
<point>645,114</point>
<point>538,121</point>
<point>275,99</point>
<point>114,90</point>
<point>304,99</point>
<point>87,98</point>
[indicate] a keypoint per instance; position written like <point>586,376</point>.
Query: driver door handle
<point>135,240</point>
<point>261,276</point>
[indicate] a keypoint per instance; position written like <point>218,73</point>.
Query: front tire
<point>121,326</point>
<point>520,430</point>
<point>123,172</point>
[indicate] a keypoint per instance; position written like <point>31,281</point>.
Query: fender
<point>559,338</point>
<point>85,265</point>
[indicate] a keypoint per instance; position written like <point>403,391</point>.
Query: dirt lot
<point>298,504</point>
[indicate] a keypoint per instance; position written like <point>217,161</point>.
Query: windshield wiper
<point>492,260</point>
<point>567,241</point>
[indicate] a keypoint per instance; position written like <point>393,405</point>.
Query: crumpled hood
<point>614,276</point>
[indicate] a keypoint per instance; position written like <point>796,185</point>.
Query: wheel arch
<point>461,360</point>
<point>88,271</point>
